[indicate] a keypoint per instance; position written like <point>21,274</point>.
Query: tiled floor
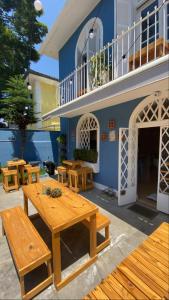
<point>127,230</point>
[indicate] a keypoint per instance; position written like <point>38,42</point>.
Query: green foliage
<point>20,31</point>
<point>48,191</point>
<point>61,139</point>
<point>86,155</point>
<point>18,106</point>
<point>100,69</point>
<point>55,193</point>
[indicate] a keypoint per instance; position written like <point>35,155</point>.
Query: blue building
<point>113,57</point>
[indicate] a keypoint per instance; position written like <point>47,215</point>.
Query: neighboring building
<point>117,101</point>
<point>45,91</point>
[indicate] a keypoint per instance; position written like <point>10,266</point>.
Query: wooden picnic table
<point>59,214</point>
<point>18,164</point>
<point>73,163</point>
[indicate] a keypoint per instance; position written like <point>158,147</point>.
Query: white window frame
<point>94,166</point>
<point>85,34</point>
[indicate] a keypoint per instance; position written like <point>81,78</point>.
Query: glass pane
<point>93,139</point>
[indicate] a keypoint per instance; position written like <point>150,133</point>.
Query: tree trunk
<point>23,142</point>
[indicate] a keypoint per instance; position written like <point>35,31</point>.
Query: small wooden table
<point>72,163</point>
<point>18,164</point>
<point>59,214</point>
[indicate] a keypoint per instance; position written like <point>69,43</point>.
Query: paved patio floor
<point>128,229</point>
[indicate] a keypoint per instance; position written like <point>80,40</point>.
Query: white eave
<point>72,15</point>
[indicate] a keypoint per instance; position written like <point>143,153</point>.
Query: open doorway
<point>148,160</point>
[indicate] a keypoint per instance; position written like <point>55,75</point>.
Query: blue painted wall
<point>40,145</point>
<point>108,150</point>
<point>105,11</point>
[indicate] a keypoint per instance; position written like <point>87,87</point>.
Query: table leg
<point>93,236</point>
<point>56,258</point>
<point>25,204</point>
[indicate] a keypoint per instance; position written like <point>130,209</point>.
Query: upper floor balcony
<point>146,41</point>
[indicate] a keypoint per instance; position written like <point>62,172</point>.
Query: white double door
<point>128,160</point>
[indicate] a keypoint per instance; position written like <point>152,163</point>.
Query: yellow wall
<point>49,97</point>
<point>49,101</point>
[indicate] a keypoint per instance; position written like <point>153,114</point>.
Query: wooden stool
<point>22,169</point>
<point>88,178</point>
<point>6,173</point>
<point>33,171</point>
<point>76,180</point>
<point>62,175</point>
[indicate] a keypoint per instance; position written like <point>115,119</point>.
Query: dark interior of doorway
<point>148,160</point>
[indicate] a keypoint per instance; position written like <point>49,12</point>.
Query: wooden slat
<point>157,284</point>
<point>157,254</point>
<point>99,294</point>
<point>129,285</point>
<point>139,280</point>
<point>158,246</point>
<point>109,290</point>
<point>145,254</point>
<point>143,274</point>
<point>119,288</point>
<point>150,266</point>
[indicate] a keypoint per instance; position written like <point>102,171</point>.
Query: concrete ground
<point>128,229</point>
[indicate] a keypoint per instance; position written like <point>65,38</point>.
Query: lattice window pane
<point>149,113</point>
<point>87,125</point>
<point>164,167</point>
<point>165,109</point>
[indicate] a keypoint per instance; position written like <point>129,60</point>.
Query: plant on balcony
<point>62,141</point>
<point>100,69</point>
<point>90,156</point>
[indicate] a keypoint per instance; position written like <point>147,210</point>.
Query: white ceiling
<point>72,15</point>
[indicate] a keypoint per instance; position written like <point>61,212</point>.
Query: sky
<point>48,65</point>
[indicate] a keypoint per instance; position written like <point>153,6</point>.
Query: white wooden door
<point>163,178</point>
<point>127,181</point>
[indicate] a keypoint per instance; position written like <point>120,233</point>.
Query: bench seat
<point>102,222</point>
<point>28,249</point>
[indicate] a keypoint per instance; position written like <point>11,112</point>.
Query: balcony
<point>143,43</point>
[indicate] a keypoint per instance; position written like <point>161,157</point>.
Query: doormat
<point>152,197</point>
<point>144,211</point>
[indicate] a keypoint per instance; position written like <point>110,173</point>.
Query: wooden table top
<point>16,163</point>
<point>59,213</point>
<point>143,274</point>
<point>72,163</point>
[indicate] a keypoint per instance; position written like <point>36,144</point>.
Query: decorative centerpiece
<point>53,193</point>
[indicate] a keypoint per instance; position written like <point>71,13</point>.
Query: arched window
<point>88,133</point>
<point>87,47</point>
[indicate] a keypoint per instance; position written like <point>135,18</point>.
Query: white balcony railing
<point>145,41</point>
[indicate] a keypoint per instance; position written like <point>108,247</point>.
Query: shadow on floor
<point>137,219</point>
<point>74,247</point>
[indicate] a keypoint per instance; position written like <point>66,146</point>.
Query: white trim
<point>84,34</point>
<point>162,203</point>
<point>96,166</point>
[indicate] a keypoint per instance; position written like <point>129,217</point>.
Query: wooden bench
<point>102,222</point>
<point>27,248</point>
